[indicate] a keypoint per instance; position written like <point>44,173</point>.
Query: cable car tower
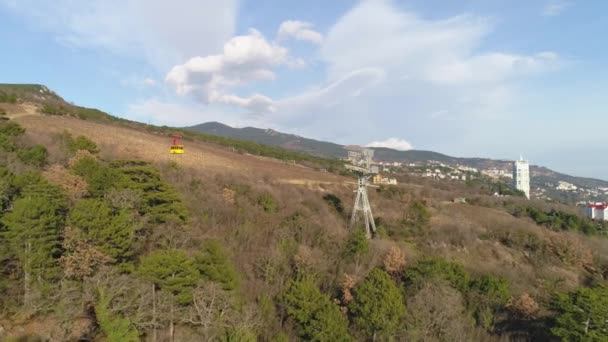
<point>361,164</point>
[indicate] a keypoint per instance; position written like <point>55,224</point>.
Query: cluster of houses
<point>378,179</point>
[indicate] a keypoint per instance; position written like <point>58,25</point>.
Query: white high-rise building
<point>521,176</point>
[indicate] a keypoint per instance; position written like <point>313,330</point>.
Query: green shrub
<point>35,155</point>
<point>11,129</point>
<point>437,269</point>
<point>357,245</point>
<point>115,327</point>
<point>485,297</point>
<point>8,98</point>
<point>79,143</point>
<point>268,203</point>
<point>559,220</point>
<point>52,109</point>
<point>416,217</point>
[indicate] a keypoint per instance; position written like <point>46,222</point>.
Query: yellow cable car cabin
<point>176,147</point>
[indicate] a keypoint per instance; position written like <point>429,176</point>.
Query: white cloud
<point>299,30</point>
<point>433,69</point>
<point>554,8</point>
<point>394,143</point>
<point>159,32</point>
<point>244,59</point>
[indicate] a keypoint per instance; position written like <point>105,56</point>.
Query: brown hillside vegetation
<point>121,142</point>
<point>259,250</point>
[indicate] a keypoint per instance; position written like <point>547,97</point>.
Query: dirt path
<point>123,142</point>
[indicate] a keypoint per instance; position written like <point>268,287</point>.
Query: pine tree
<point>112,232</point>
<point>316,317</point>
<point>214,265</point>
<point>32,233</point>
<point>582,315</point>
<point>160,202</point>
<point>171,271</point>
<point>377,306</point>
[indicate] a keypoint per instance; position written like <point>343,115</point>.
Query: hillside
<point>544,180</point>
<point>234,241</point>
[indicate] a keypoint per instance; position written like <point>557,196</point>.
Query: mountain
<point>273,138</point>
<point>544,179</point>
<point>239,241</point>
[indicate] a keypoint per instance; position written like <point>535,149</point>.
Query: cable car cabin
<point>176,147</point>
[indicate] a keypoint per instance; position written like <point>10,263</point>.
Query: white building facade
<point>521,176</point>
<point>598,211</point>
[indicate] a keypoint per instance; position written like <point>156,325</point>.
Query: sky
<point>469,78</point>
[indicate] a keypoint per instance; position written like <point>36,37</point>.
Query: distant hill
<point>542,177</point>
<point>273,138</point>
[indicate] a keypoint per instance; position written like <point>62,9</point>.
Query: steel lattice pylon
<point>362,205</point>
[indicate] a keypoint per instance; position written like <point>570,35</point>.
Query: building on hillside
<point>378,179</point>
<point>597,211</point>
<point>521,176</point>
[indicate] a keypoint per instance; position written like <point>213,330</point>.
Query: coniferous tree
<point>214,265</point>
<point>316,317</point>
<point>171,271</point>
<point>582,315</point>
<point>112,232</point>
<point>32,231</point>
<point>377,306</point>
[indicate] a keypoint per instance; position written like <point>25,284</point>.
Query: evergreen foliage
<point>417,216</point>
<point>172,271</point>
<point>377,306</point>
<point>357,245</point>
<point>582,315</point>
<point>7,97</point>
<point>335,202</point>
<point>115,327</point>
<point>53,109</point>
<point>485,297</point>
<point>268,203</point>
<point>112,231</point>
<point>559,220</point>
<point>159,200</point>
<point>100,178</point>
<point>214,265</point>
<point>316,317</point>
<point>9,130</point>
<point>79,143</point>
<point>437,269</point>
<point>35,155</point>
<point>33,229</point>
<point>8,190</point>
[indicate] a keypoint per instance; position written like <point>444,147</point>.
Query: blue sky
<point>483,78</point>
